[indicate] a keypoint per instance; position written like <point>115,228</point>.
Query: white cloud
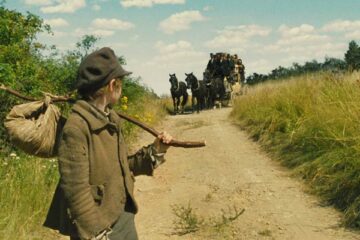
<point>177,55</point>
<point>102,32</point>
<point>341,26</point>
<point>295,31</point>
<point>38,2</point>
<point>79,32</point>
<point>353,35</point>
<point>148,3</point>
<point>64,6</point>
<point>180,21</point>
<point>113,23</point>
<point>174,47</point>
<point>56,22</point>
<point>96,7</point>
<point>295,44</point>
<point>235,36</point>
<point>260,65</point>
<point>304,34</point>
<point>304,39</point>
<point>54,35</point>
<point>103,27</point>
<point>304,52</point>
<point>60,34</point>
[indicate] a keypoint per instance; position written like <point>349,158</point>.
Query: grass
<point>147,109</point>
<point>311,123</point>
<point>27,183</point>
<point>187,221</point>
<point>26,187</point>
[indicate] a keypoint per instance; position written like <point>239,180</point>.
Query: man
<point>218,70</point>
<point>94,198</point>
<point>241,70</point>
<point>210,65</point>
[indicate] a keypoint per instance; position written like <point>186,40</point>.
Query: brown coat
<point>96,175</point>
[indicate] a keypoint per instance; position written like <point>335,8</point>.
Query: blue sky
<point>158,37</point>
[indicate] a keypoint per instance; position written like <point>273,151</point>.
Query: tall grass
<point>312,124</point>
<point>27,183</point>
<point>26,188</point>
<point>148,109</point>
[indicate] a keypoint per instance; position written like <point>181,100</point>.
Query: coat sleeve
<point>141,162</point>
<point>74,172</point>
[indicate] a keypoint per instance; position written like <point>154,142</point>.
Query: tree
<point>333,64</point>
<point>86,45</point>
<point>352,56</point>
<point>312,66</point>
<point>19,57</point>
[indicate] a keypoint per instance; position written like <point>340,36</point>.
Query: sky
<point>159,37</point>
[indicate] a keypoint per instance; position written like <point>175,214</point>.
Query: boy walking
<point>94,198</point>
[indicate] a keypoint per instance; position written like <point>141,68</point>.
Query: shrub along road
<point>230,171</point>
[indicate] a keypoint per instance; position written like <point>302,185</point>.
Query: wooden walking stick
<point>174,143</point>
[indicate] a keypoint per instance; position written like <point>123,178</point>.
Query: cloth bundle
<point>35,127</point>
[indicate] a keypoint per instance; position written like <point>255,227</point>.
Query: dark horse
<point>178,90</point>
<point>215,87</point>
<point>198,90</point>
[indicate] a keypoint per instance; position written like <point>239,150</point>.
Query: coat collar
<point>96,118</point>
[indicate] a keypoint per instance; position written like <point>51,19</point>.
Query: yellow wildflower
<point>124,107</point>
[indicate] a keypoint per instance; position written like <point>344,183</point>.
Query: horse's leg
<point>198,104</point>
<point>212,100</point>
<point>192,103</point>
<point>177,104</point>
<point>183,102</point>
<point>181,105</point>
<point>174,104</point>
<point>202,103</point>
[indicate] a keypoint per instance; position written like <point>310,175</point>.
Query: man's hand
<point>160,143</point>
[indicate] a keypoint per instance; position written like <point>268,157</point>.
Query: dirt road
<point>230,171</point>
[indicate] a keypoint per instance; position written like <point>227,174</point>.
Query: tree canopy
<point>352,56</point>
<point>25,68</point>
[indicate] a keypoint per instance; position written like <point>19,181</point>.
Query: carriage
<point>224,76</point>
<point>222,82</point>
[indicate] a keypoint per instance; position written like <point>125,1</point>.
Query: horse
<point>216,89</point>
<point>198,90</point>
<point>178,90</point>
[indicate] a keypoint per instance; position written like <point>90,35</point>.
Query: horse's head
<point>190,79</point>
<point>173,81</point>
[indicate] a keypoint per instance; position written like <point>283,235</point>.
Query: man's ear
<point>112,85</point>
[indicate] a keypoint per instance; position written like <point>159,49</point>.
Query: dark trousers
<point>123,228</point>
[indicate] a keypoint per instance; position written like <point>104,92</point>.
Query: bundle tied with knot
<point>34,127</point>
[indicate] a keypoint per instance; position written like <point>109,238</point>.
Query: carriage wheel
<point>225,102</point>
